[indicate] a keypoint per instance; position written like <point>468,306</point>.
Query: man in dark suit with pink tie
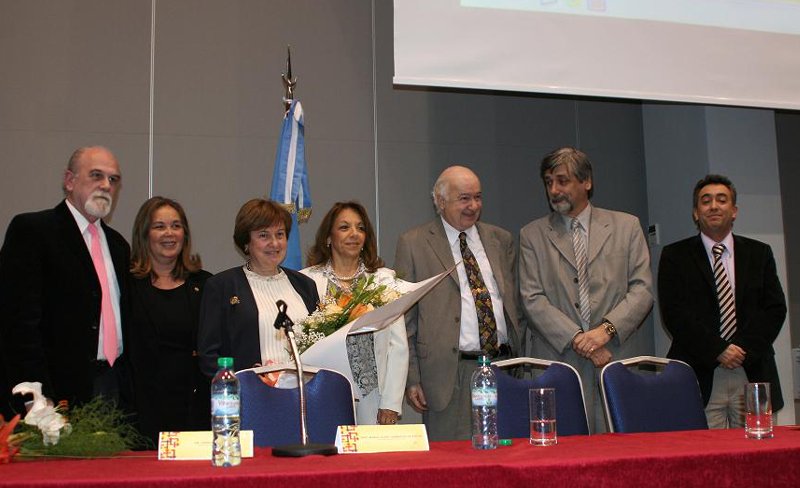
<point>62,288</point>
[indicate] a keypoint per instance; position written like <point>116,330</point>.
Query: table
<point>713,458</point>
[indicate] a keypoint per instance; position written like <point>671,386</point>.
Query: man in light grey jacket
<point>585,279</point>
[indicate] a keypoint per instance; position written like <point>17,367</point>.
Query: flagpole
<point>290,175</point>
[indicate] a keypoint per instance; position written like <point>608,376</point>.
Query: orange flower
<point>7,451</point>
<point>360,310</point>
<point>343,300</point>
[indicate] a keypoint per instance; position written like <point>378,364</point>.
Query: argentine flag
<point>290,180</point>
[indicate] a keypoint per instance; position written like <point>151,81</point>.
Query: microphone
<point>282,321</point>
<point>305,448</point>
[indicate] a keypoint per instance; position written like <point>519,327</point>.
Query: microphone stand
<point>306,448</point>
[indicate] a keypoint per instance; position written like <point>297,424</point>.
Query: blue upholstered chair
<point>513,412</point>
<point>666,397</point>
<point>273,414</point>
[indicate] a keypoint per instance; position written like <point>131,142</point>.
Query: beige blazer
<point>391,346</point>
<point>434,324</point>
<point>620,286</point>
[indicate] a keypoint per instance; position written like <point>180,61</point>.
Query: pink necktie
<point>106,309</point>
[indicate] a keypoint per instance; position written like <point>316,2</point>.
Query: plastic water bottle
<point>226,450</point>
<point>484,406</point>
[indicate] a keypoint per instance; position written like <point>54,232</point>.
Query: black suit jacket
<point>689,309</point>
<point>229,326</point>
<point>50,303</point>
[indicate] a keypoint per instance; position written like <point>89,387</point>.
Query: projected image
<point>779,16</point>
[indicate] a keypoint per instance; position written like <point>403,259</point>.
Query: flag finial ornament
<point>289,82</point>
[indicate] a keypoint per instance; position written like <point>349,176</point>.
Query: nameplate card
<point>358,439</point>
<point>196,446</point>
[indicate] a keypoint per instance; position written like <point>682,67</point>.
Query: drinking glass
<point>543,416</point>
<point>758,411</point>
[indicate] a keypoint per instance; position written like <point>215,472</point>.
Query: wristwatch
<point>609,328</point>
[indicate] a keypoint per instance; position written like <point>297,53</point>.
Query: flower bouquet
<point>94,429</point>
<point>339,308</point>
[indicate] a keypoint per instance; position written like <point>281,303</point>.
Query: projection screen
<point>729,52</point>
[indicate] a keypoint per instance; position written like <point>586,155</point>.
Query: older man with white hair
<point>471,313</point>
<point>62,282</point>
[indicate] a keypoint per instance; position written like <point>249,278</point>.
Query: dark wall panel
<point>787,129</point>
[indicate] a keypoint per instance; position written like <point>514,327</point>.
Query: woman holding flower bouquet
<point>238,308</point>
<point>343,256</point>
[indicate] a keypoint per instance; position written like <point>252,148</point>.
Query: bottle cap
<point>483,360</point>
<point>224,362</point>
<point>505,442</point>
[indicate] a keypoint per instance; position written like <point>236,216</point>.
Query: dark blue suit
<point>231,329</point>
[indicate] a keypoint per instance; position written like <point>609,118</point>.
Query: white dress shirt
<point>267,290</point>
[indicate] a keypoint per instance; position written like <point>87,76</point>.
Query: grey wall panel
<point>211,177</point>
<point>81,75</point>
<point>75,72</point>
<point>219,111</point>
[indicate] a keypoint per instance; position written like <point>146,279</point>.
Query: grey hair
<point>577,163</point>
<point>440,190</point>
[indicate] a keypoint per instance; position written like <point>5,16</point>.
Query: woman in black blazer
<point>238,308</point>
<point>166,285</point>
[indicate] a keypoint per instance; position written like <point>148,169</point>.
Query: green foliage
<point>99,429</point>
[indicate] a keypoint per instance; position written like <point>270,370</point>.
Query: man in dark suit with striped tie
<point>722,303</point>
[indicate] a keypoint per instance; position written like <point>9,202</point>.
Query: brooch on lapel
<point>234,300</point>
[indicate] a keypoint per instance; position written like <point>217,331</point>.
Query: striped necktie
<point>487,326</point>
<point>579,245</point>
<point>727,304</point>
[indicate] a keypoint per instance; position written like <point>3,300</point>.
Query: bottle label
<point>225,405</point>
<point>484,397</point>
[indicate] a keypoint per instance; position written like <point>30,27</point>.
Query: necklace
<point>338,280</point>
<point>249,267</point>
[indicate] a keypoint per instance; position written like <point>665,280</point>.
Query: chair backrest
<point>665,400</point>
<point>273,414</point>
<point>513,411</point>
